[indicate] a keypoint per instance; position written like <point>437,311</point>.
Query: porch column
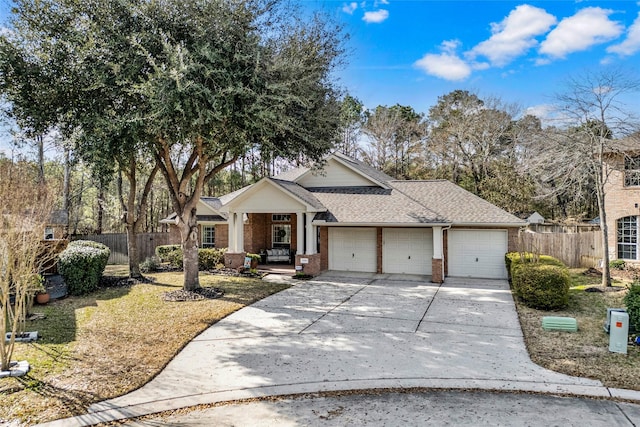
<point>300,233</point>
<point>239,232</point>
<point>437,263</point>
<point>437,242</point>
<point>310,248</point>
<point>232,232</point>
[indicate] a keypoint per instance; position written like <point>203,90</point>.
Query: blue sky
<point>409,52</point>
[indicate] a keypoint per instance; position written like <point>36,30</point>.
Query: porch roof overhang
<point>274,196</point>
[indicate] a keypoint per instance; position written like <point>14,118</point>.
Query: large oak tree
<point>193,84</point>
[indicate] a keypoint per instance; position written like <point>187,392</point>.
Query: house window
<point>281,235</point>
<point>48,233</point>
<point>628,237</point>
<point>208,236</point>
<point>280,218</point>
<point>632,171</point>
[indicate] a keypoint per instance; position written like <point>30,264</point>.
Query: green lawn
<point>112,341</point>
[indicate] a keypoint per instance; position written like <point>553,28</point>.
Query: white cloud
<point>631,44</point>
<point>514,35</point>
<point>350,7</point>
<point>446,65</point>
<point>588,27</point>
<point>376,17</point>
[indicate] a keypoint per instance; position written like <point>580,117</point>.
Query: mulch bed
<point>628,273</point>
<point>195,295</point>
<point>121,282</point>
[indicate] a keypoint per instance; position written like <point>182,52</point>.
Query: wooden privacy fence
<point>117,243</point>
<point>583,249</point>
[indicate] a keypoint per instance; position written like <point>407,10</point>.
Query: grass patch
<point>586,352</point>
<point>112,341</point>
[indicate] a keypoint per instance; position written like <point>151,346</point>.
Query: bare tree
<point>395,136</point>
<point>26,206</point>
<point>591,114</point>
<point>467,134</point>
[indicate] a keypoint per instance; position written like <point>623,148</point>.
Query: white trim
<point>438,245</point>
<point>239,232</point>
<point>324,223</point>
<point>269,209</point>
<point>299,233</point>
<point>310,246</point>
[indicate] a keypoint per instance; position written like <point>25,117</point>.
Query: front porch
<point>283,269</point>
<point>269,216</point>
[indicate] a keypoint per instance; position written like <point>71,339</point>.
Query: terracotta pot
<point>43,298</point>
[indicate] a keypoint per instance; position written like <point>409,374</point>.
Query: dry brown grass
<point>111,342</point>
<point>586,352</point>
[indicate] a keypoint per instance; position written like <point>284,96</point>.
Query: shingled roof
<point>372,205</point>
<point>455,204</point>
<point>392,202</point>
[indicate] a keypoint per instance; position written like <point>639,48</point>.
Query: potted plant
<point>255,259</point>
<point>38,286</point>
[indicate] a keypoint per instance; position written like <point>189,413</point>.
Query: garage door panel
<point>353,249</point>
<point>477,253</point>
<point>407,250</point>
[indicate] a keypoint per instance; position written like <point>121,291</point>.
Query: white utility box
<point>607,323</point>
<point>619,332</point>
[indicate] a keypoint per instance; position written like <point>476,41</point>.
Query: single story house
<point>349,216</point>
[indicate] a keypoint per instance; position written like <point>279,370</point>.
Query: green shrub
<point>208,259</point>
<point>541,286</point>
<point>163,251</point>
<point>150,264</point>
<point>632,301</point>
<point>617,264</point>
<point>82,265</point>
<point>514,258</point>
<point>174,257</point>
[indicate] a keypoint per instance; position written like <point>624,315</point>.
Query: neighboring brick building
<point>622,198</point>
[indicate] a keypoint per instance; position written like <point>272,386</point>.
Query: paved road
<point>354,331</point>
<point>439,408</point>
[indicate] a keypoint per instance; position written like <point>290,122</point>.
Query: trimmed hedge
<point>632,301</point>
<point>82,264</point>
<point>174,258</point>
<point>208,259</point>
<point>163,251</point>
<point>542,285</point>
<point>515,258</point>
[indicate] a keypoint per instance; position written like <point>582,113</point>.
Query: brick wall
<point>222,236</point>
<point>436,271</point>
<point>620,201</point>
<point>324,248</point>
<point>313,266</point>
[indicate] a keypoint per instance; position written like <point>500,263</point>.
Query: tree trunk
<point>100,219</point>
<point>40,142</point>
<point>189,238</point>
<point>67,180</point>
<point>606,271</point>
<point>132,250</point>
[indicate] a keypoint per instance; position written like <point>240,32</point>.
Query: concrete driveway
<point>345,331</point>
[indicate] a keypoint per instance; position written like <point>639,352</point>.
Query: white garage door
<point>352,249</point>
<point>407,250</point>
<point>477,253</point>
